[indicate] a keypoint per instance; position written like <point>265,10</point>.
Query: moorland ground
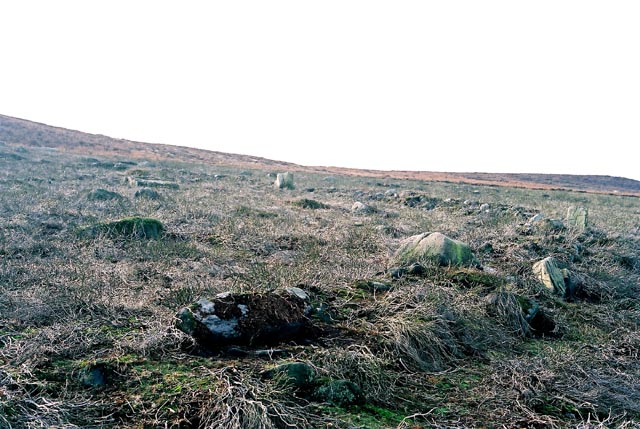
<point>87,321</point>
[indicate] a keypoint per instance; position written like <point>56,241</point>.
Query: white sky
<point>496,86</point>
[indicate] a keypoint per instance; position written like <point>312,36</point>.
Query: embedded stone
<point>550,275</point>
<point>436,247</point>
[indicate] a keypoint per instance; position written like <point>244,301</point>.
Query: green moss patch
<point>131,227</point>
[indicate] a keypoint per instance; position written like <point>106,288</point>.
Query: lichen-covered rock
<point>247,319</point>
<point>284,181</point>
<point>577,217</point>
<point>550,275</point>
<point>436,247</point>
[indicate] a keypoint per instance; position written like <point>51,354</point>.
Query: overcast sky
<point>495,86</point>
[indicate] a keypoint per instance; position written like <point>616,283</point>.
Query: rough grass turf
<point>87,336</point>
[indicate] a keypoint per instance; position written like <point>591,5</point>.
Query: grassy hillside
<point>92,277</point>
<point>14,131</point>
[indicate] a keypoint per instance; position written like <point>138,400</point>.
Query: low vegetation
<point>90,289</point>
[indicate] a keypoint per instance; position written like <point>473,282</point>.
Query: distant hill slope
<point>14,131</point>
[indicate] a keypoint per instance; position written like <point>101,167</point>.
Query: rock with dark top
<point>247,319</point>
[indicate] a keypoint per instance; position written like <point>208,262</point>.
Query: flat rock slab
<point>151,183</point>
<point>247,319</point>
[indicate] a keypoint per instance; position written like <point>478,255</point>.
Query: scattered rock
<point>577,217</point>
<point>103,195</point>
<point>247,319</point>
<point>436,247</point>
<point>485,207</point>
<point>118,166</point>
<point>341,393</point>
<point>550,275</point>
<point>151,183</point>
<point>421,201</point>
<point>284,181</point>
<point>297,292</point>
<point>361,208</point>
<point>373,286</point>
<point>147,193</point>
<point>298,374</point>
<point>539,217</point>
<point>307,203</point>
<point>414,269</point>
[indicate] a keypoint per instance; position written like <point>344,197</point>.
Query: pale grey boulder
<point>577,217</point>
<point>361,208</point>
<point>436,247</point>
<point>284,181</point>
<point>548,272</point>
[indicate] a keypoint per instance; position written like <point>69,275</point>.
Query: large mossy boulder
<point>548,272</point>
<point>247,319</point>
<point>435,247</point>
<point>129,228</point>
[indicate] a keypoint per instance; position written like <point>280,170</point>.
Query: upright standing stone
<point>577,218</point>
<point>550,275</point>
<point>284,180</point>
